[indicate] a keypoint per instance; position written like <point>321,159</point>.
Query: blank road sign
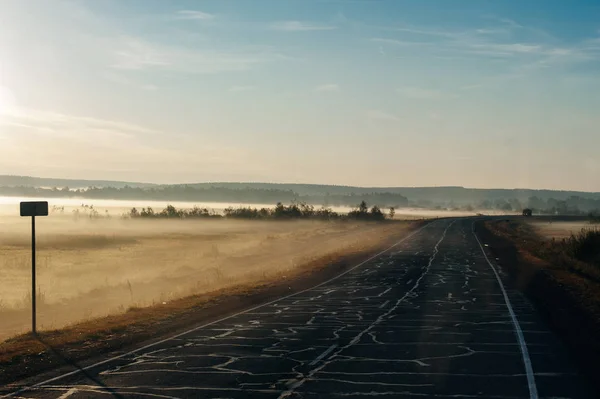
<point>35,208</point>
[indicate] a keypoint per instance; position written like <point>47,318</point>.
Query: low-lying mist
<point>91,268</point>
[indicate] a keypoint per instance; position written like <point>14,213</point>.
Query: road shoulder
<point>561,297</point>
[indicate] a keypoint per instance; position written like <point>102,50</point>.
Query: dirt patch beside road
<point>568,300</point>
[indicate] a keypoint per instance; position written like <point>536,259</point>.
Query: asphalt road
<point>428,318</point>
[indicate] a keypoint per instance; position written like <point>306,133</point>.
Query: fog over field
<point>116,208</point>
<point>561,229</point>
<point>89,268</point>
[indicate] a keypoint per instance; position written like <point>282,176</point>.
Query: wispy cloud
<point>130,53</point>
<point>194,15</point>
<point>72,127</point>
<point>423,94</point>
<point>534,48</point>
<point>376,114</point>
<point>329,87</point>
<point>513,49</point>
<point>397,42</point>
<point>430,32</point>
<point>513,26</point>
<point>510,23</point>
<point>234,89</point>
<point>298,26</point>
<point>45,139</point>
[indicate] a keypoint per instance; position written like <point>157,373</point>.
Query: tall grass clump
<point>579,253</point>
<point>584,246</point>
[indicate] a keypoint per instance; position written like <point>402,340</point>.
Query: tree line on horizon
<point>279,212</point>
<point>573,205</point>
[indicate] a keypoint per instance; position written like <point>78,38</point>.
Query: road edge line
<point>533,392</point>
<point>106,361</point>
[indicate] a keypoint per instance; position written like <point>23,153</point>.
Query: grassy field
<point>558,229</point>
<point>92,268</point>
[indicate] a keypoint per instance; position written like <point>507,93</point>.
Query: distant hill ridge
<point>29,181</point>
<point>455,194</point>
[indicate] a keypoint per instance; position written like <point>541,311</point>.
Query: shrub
<point>362,212</point>
<point>584,246</point>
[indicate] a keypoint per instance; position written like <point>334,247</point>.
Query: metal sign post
<point>33,209</point>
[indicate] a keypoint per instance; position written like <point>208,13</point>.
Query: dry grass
<point>89,269</point>
<point>539,255</point>
<point>26,355</point>
<point>558,229</point>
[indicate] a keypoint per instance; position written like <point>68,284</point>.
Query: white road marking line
<point>383,305</point>
<point>133,352</point>
<point>323,355</point>
<point>70,392</point>
<point>533,393</point>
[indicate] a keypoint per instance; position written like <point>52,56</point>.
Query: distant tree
<point>376,213</point>
<point>306,210</point>
<point>170,212</point>
<point>392,212</point>
<point>280,210</point>
<point>148,213</point>
<point>363,207</point>
<point>527,212</point>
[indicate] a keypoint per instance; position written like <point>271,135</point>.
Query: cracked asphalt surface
<point>428,318</point>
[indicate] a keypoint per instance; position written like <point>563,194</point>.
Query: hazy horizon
<point>356,93</point>
<point>291,183</point>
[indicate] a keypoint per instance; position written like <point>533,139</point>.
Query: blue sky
<point>371,93</point>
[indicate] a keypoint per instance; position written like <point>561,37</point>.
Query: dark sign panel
<point>37,208</point>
